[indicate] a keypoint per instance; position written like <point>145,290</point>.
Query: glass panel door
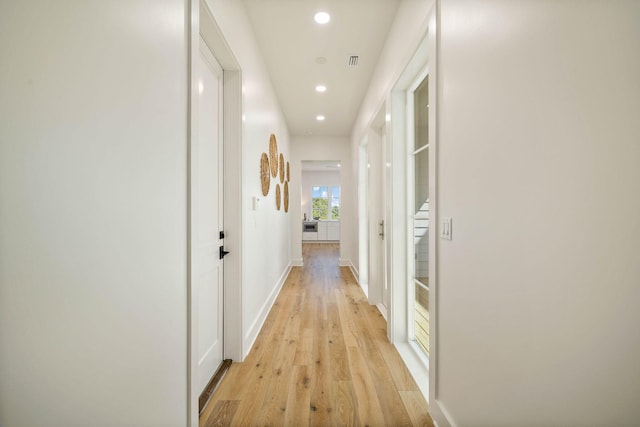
<point>420,215</point>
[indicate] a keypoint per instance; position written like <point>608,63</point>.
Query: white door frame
<point>401,278</point>
<point>375,167</point>
<point>202,24</point>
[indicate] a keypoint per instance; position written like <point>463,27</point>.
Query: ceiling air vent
<point>353,61</point>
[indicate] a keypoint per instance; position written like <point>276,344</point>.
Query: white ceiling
<point>291,41</point>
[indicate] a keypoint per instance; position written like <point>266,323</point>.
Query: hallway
<point>321,358</point>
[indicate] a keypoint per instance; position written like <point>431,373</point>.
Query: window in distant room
<point>320,203</point>
<point>335,202</point>
<point>325,202</point>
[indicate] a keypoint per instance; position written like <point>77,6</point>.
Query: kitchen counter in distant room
<point>328,231</point>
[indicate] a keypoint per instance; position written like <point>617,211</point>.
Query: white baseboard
<point>254,330</point>
<point>297,262</point>
<point>440,416</point>
<point>365,289</point>
<point>343,262</point>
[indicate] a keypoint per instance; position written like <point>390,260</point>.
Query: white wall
<point>266,232</point>
<point>93,193</point>
<point>311,179</point>
<point>93,168</point>
<point>323,148</point>
<point>538,167</point>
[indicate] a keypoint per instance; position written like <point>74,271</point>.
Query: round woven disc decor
<point>281,167</point>
<point>288,173</point>
<point>286,196</point>
<point>278,196</point>
<point>273,155</point>
<point>265,178</point>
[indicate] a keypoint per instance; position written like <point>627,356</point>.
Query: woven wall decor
<point>281,167</point>
<point>278,196</point>
<point>286,196</point>
<point>288,173</point>
<point>273,155</point>
<point>265,178</point>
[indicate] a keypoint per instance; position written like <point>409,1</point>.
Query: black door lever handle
<point>223,252</point>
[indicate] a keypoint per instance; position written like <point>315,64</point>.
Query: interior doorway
<point>320,201</point>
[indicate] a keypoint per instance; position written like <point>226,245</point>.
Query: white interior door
<point>385,212</point>
<point>207,221</point>
<point>388,214</point>
<point>376,215</point>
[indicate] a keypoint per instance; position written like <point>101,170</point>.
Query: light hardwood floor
<point>322,358</point>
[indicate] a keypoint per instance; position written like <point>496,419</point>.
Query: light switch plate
<point>445,228</point>
<point>256,203</point>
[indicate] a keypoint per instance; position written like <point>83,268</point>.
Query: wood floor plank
<point>222,413</point>
<point>346,405</point>
<point>369,409</point>
<point>390,401</point>
<point>322,399</point>
<point>349,330</point>
<point>304,352</point>
<point>402,378</point>
<point>274,406</point>
<point>298,407</point>
<point>322,358</point>
<point>337,349</point>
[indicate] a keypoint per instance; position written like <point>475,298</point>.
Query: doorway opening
<point>320,200</point>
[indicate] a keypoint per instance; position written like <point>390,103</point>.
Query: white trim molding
<point>343,262</point>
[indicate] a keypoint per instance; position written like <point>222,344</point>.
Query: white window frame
<point>329,200</point>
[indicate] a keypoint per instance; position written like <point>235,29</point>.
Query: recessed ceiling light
<point>322,17</point>
<point>321,88</point>
<point>320,118</point>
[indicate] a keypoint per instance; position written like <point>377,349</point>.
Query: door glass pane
<point>421,108</point>
<point>421,316</point>
<point>421,217</point>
